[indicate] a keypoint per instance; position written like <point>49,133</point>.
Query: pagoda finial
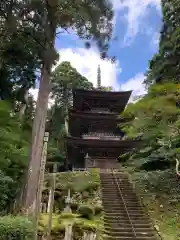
<point>99,77</point>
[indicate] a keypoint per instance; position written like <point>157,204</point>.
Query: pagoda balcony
<point>101,110</point>
<point>101,136</point>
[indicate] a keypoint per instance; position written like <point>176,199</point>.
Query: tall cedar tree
<point>91,20</point>
<point>165,64</point>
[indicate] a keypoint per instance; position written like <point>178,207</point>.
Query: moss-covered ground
<point>87,212</point>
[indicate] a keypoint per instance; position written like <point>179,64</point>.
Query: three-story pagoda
<point>95,139</point>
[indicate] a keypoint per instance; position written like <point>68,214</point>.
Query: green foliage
<point>165,64</point>
<point>86,211</point>
<point>79,225</point>
<point>15,228</point>
<point>13,157</point>
<point>155,118</point>
<point>160,194</point>
<point>86,204</point>
<point>158,183</point>
<point>85,189</point>
<point>26,41</point>
<point>98,209</point>
<point>64,79</point>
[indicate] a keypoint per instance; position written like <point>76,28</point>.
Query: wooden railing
<point>102,136</point>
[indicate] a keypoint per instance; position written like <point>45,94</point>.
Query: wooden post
<point>40,185</point>
<point>51,200</point>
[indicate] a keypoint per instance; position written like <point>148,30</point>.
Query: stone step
<point>127,225</point>
<point>131,234</point>
<point>129,229</point>
<point>130,238</point>
<point>125,221</point>
<point>116,197</point>
<point>123,213</point>
<point>120,202</point>
<point>121,206</point>
<point>122,176</point>
<point>120,209</point>
<point>124,193</point>
<point>114,189</point>
<point>116,207</point>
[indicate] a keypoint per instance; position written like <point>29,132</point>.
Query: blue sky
<point>137,24</point>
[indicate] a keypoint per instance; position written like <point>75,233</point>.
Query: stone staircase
<point>124,216</point>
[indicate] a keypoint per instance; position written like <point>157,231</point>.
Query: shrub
<point>15,228</point>
<point>86,211</point>
<point>74,206</point>
<point>98,209</point>
<point>92,186</point>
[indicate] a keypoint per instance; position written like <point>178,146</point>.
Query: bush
<point>98,210</point>
<point>15,228</point>
<point>74,206</point>
<point>86,211</point>
<point>92,186</point>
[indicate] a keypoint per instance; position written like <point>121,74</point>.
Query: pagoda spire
<point>99,77</point>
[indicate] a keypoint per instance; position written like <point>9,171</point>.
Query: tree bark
<point>37,140</point>
<point>23,106</point>
<point>51,201</point>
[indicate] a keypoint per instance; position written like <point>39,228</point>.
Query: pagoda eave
<point>114,101</point>
<point>96,115</point>
<point>125,144</point>
<point>101,94</point>
<point>107,149</point>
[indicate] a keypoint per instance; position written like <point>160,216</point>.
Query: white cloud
<point>34,92</point>
<point>155,40</point>
<point>136,85</point>
<point>135,12</point>
<point>86,62</point>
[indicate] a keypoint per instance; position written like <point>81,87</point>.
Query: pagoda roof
<point>121,144</point>
<point>100,93</point>
<point>87,99</point>
<point>100,148</point>
<point>95,115</point>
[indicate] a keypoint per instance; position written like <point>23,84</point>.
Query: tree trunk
<point>51,201</point>
<point>23,106</point>
<point>40,187</point>
<point>37,140</point>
